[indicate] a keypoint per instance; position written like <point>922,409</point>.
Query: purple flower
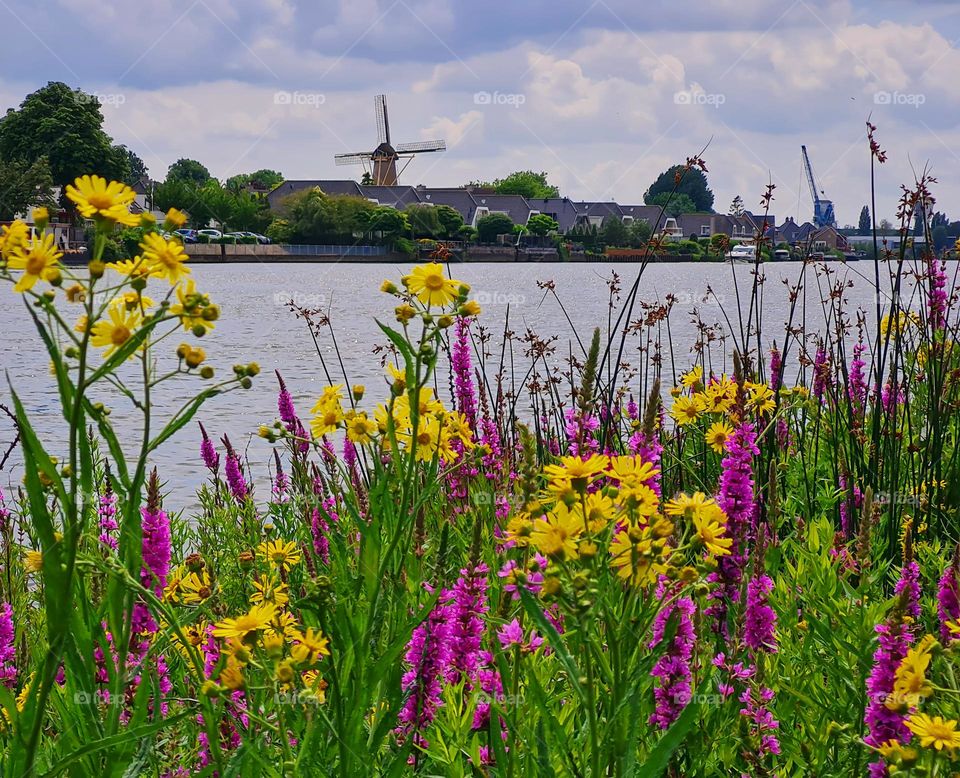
<point>427,658</point>
<point>821,373</point>
<point>908,589</point>
<point>288,414</point>
<point>209,455</point>
<point>511,635</point>
<point>8,651</point>
<point>948,596</point>
<point>319,527</point>
<point>857,387</point>
<point>464,391</point>
<point>467,606</point>
<point>760,620</point>
<point>762,724</point>
<point>673,667</point>
<point>531,578</point>
<point>937,300</point>
<point>107,515</point>
<point>234,473</point>
<point>883,723</point>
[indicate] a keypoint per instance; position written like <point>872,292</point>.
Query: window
<point>819,245</point>
<point>705,231</point>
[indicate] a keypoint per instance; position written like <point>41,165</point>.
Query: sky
<point>601,95</point>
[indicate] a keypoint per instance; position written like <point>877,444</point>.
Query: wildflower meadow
<point>567,561</point>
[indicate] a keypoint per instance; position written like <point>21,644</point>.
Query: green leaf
<point>659,758</point>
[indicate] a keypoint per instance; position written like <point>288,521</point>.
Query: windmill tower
<point>382,161</point>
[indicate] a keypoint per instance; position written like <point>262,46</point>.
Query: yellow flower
<point>193,308</point>
<point>195,588</point>
<point>761,398</point>
<point>637,555</point>
<point>33,561</point>
<point>577,470</point>
<point>631,468</point>
<point>12,236</point>
<point>132,300</point>
<point>469,308</point>
<point>458,427</point>
<point>267,590</point>
<point>165,258</point>
<point>934,731</point>
<point>40,217</point>
<point>557,533</point>
<point>309,647</point>
<point>360,428</point>
<point>688,507</point>
<point>280,553</point>
<point>38,258</point>
<point>718,435</point>
<point>105,202</point>
<point>231,677</point>
<point>692,377</point>
<point>175,219</point>
<point>427,439</point>
<point>910,683</point>
<point>892,751</point>
<point>719,395</point>
<point>640,498</point>
<point>328,413</point>
<point>135,268</point>
<point>520,530</point>
<point>112,333</point>
<point>246,627</point>
<point>429,284</point>
<point>599,510</point>
<point>686,410</point>
<point>710,533</point>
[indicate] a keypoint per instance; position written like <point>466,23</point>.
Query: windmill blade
<point>351,159</point>
<point>383,122</point>
<point>421,146</point>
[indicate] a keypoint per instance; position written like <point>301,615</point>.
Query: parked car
<point>187,236</point>
<point>211,234</point>
<point>255,235</point>
<point>781,255</point>
<point>743,252</point>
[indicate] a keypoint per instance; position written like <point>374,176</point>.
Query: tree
<point>137,167</point>
<point>693,183</point>
<point>640,232</point>
<point>388,222</point>
<point>66,127</point>
<point>541,224</point>
<point>450,220</point>
<point>188,170</point>
<point>676,203</point>
<point>940,237</point>
<point>526,183</point>
<point>262,180</point>
<point>865,225</point>
<point>614,232</point>
<point>23,186</point>
<point>366,179</point>
<point>314,217</point>
<point>424,221</point>
<point>736,207</point>
<point>492,225</point>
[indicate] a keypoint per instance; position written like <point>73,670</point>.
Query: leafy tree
<point>614,232</point>
<point>676,203</point>
<point>736,207</point>
<point>138,168</point>
<point>940,237</point>
<point>388,222</point>
<point>640,232</point>
<point>424,222</point>
<point>886,227</point>
<point>865,225</point>
<point>467,233</point>
<point>450,220</point>
<point>66,127</point>
<point>492,225</point>
<point>693,184</point>
<point>24,185</point>
<point>541,224</point>
<point>188,170</point>
<point>366,179</point>
<point>526,183</point>
<point>261,180</point>
<point>315,217</point>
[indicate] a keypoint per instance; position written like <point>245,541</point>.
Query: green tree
<point>366,179</point>
<point>138,168</point>
<point>387,223</point>
<point>188,170</point>
<point>450,220</point>
<point>614,233</point>
<point>865,224</point>
<point>541,224</point>
<point>315,217</point>
<point>526,183</point>
<point>676,203</point>
<point>66,127</point>
<point>263,180</point>
<point>693,183</point>
<point>492,225</point>
<point>424,221</point>
<point>940,237</point>
<point>24,185</point>
<point>640,232</point>
<point>736,207</point>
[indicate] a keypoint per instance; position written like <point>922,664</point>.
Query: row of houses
<point>473,204</point>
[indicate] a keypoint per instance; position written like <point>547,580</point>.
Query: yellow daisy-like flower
<point>520,530</point>
<point>427,439</point>
<point>12,236</point>
<point>195,588</point>
<point>309,647</point>
<point>132,301</point>
<point>718,435</point>
<point>688,507</point>
<point>38,258</point>
<point>135,268</point>
<point>101,201</point>
<point>711,534</point>
<point>910,683</point>
<point>268,590</point>
<point>360,428</point>
<point>191,305</point>
<point>246,627</point>
<point>458,427</point>
<point>637,556</point>
<point>165,258</point>
<point>556,534</point>
<point>33,561</point>
<point>692,377</point>
<point>761,398</point>
<point>577,470</point>
<point>328,412</point>
<point>719,396</point>
<point>280,553</point>
<point>686,410</point>
<point>431,286</point>
<point>631,469</point>
<point>599,510</point>
<point>113,332</point>
<point>934,731</point>
<point>640,499</point>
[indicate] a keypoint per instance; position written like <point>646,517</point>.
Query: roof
<point>561,209</point>
<point>398,197</point>
<point>328,186</point>
<point>602,210</point>
<point>457,198</point>
<point>515,206</point>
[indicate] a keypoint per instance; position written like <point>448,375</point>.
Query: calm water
<point>256,325</point>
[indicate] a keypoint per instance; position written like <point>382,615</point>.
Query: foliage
<point>262,181</point>
<point>450,220</point>
<point>24,185</point>
<point>674,203</point>
<point>692,183</point>
<point>526,183</point>
<point>541,224</point>
<point>865,225</point>
<point>138,172</point>
<point>492,225</point>
<point>423,220</point>
<point>315,217</point>
<point>188,171</point>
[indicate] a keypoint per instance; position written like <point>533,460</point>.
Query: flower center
<point>119,335</point>
<point>36,263</point>
<point>423,438</point>
<point>433,281</point>
<point>100,200</point>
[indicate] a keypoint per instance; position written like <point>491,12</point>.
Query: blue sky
<point>603,95</point>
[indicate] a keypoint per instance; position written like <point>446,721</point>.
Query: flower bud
<point>206,372</point>
<point>97,268</point>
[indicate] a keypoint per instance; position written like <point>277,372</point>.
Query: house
<point>763,224</point>
<point>651,214</point>
<point>457,198</point>
<point>327,186</point>
<point>514,206</point>
<point>398,197</point>
<point>593,214</point>
<point>561,209</point>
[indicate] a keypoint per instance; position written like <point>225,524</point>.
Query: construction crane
<point>382,161</point>
<point>823,215</point>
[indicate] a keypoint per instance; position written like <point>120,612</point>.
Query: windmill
<point>382,161</point>
<point>823,215</point>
